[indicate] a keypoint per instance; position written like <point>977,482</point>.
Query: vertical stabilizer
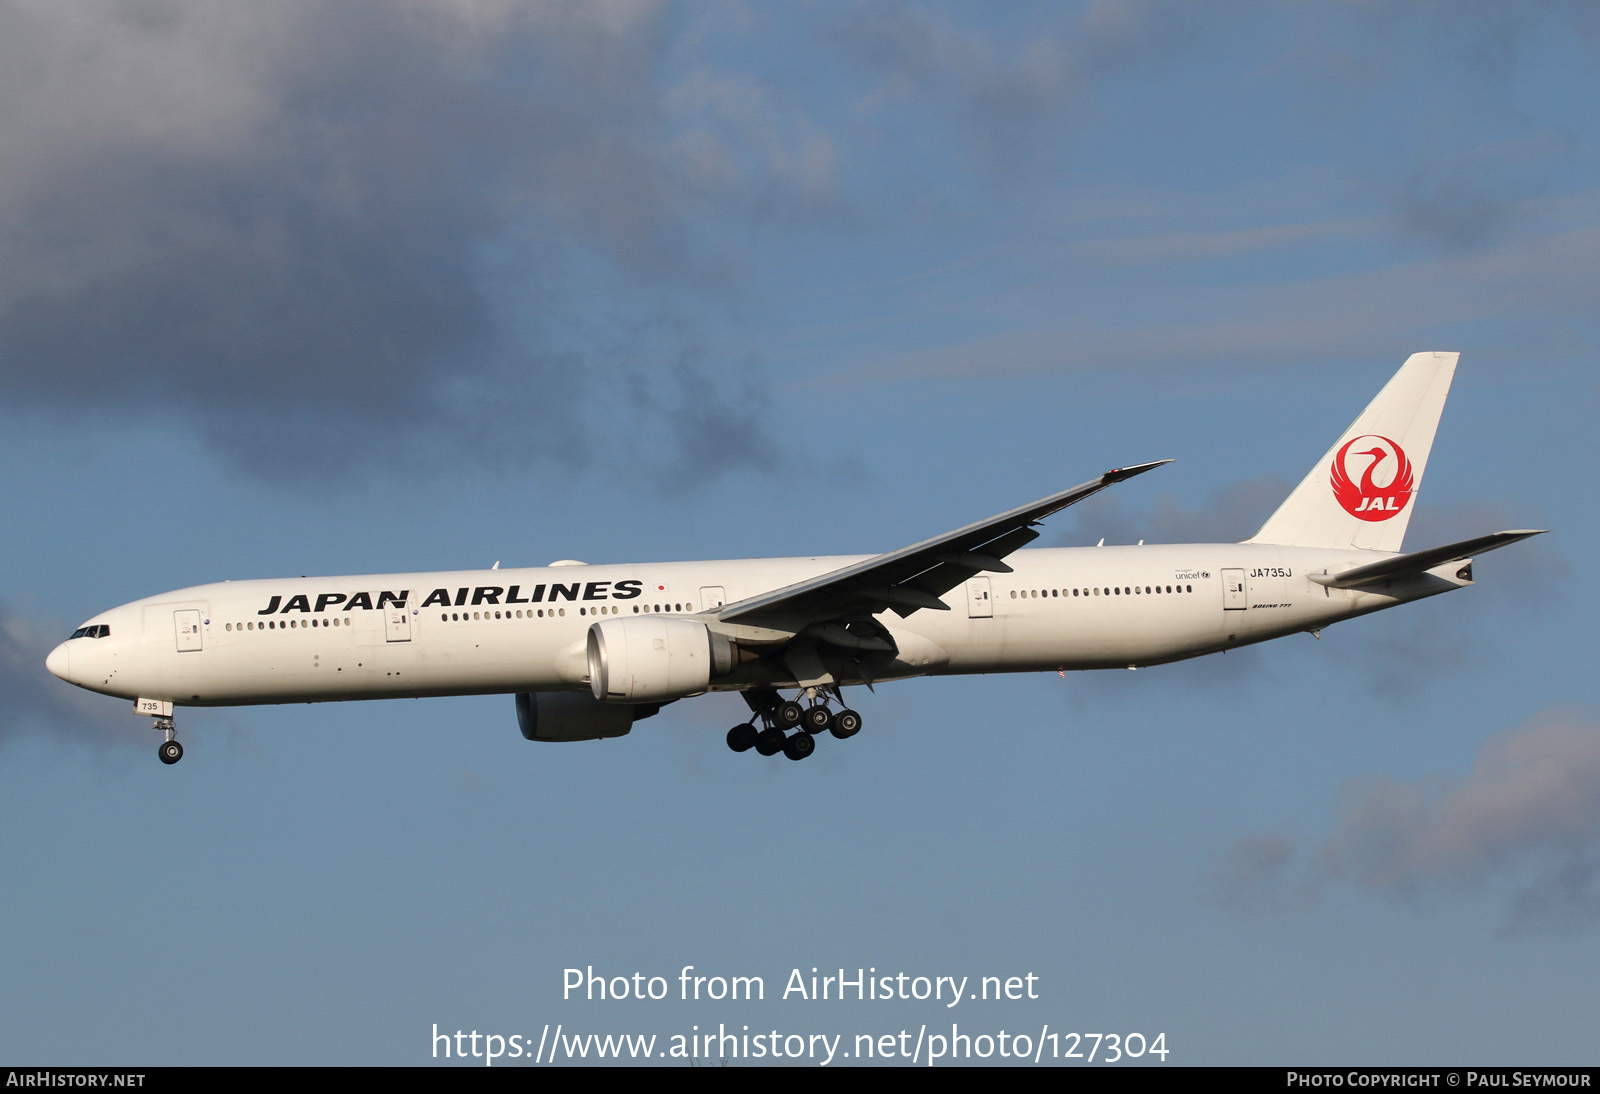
<point>1361,493</point>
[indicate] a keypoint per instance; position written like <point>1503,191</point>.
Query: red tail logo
<point>1372,478</point>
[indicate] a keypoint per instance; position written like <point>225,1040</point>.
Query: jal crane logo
<point>1372,478</point>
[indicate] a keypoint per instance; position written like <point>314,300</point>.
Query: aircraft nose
<point>60,661</point>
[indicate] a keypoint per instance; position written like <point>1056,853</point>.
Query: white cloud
<point>1527,815</point>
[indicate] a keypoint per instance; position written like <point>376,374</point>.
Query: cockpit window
<point>99,630</point>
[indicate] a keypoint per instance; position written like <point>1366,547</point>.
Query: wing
<point>915,577</point>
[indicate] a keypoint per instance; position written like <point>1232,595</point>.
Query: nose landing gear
<point>170,751</point>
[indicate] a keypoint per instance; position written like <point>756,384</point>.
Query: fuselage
<point>524,630</point>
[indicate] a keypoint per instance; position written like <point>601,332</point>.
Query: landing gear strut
<point>774,715</point>
<point>170,751</point>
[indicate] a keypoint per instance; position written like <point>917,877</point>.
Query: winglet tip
<point>1117,474</point>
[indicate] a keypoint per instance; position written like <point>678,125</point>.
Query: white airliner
<point>588,650</point>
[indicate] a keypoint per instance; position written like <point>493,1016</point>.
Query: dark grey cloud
<point>1228,515</point>
<point>1534,570</point>
<point>999,92</point>
<point>1470,196</point>
<point>1526,817</point>
<point>1008,81</point>
<point>1564,899</point>
<point>1532,288</point>
<point>1476,144</point>
<point>1412,645</point>
<point>325,233</point>
<point>38,702</point>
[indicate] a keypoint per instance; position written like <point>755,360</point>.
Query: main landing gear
<point>170,751</point>
<point>778,715</point>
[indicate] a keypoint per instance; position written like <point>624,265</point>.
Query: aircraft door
<point>396,624</point>
<point>712,596</point>
<point>1234,593</point>
<point>187,625</point>
<point>979,606</point>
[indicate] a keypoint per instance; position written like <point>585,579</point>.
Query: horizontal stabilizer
<point>1418,562</point>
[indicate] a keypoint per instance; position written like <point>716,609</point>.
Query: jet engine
<point>657,658</point>
<point>573,716</point>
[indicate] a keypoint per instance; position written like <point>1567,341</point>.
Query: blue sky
<point>359,287</point>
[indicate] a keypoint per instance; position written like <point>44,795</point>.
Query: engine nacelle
<point>651,658</point>
<point>571,716</point>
